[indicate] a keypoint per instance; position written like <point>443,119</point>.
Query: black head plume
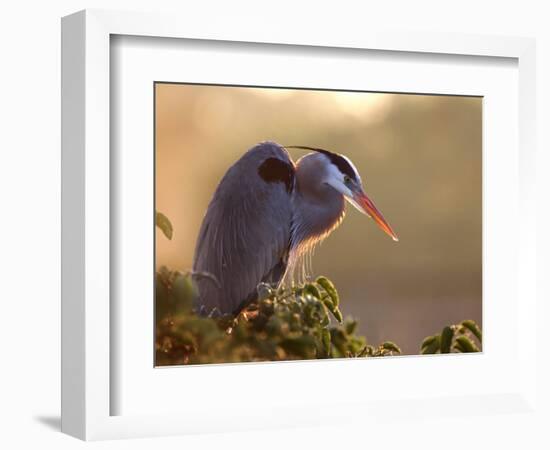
<point>338,160</point>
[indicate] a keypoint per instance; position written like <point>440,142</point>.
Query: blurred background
<point>420,158</point>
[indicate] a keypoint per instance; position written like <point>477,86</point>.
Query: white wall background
<point>30,198</point>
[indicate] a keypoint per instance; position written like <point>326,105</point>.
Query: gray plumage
<point>264,217</point>
<point>245,235</point>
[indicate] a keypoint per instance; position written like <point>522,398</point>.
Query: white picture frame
<point>87,326</point>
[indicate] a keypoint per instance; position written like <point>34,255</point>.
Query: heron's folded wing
<point>246,230</point>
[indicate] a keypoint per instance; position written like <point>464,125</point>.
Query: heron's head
<point>340,174</point>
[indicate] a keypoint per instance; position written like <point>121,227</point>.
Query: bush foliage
<point>464,337</point>
<point>304,322</point>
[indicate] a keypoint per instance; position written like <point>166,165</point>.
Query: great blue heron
<point>267,214</point>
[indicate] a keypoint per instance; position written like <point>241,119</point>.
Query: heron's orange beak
<point>368,207</point>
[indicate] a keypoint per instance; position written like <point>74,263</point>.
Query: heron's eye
<point>346,179</point>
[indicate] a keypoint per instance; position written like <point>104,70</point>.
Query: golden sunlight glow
<point>370,107</point>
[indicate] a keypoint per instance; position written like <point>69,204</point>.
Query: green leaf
<point>337,315</point>
<point>351,326</point>
<point>446,339</point>
<point>427,341</point>
<point>465,345</point>
<point>325,336</point>
<point>430,345</point>
<point>329,288</point>
<point>473,328</point>
<point>163,306</point>
<point>303,346</point>
<point>184,293</point>
<point>333,309</point>
<point>389,345</point>
<point>328,303</point>
<point>312,289</point>
<point>164,224</point>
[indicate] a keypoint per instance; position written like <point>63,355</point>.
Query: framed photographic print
<point>263,229</point>
<point>237,251</point>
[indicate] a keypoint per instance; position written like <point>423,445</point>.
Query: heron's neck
<point>316,213</point>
